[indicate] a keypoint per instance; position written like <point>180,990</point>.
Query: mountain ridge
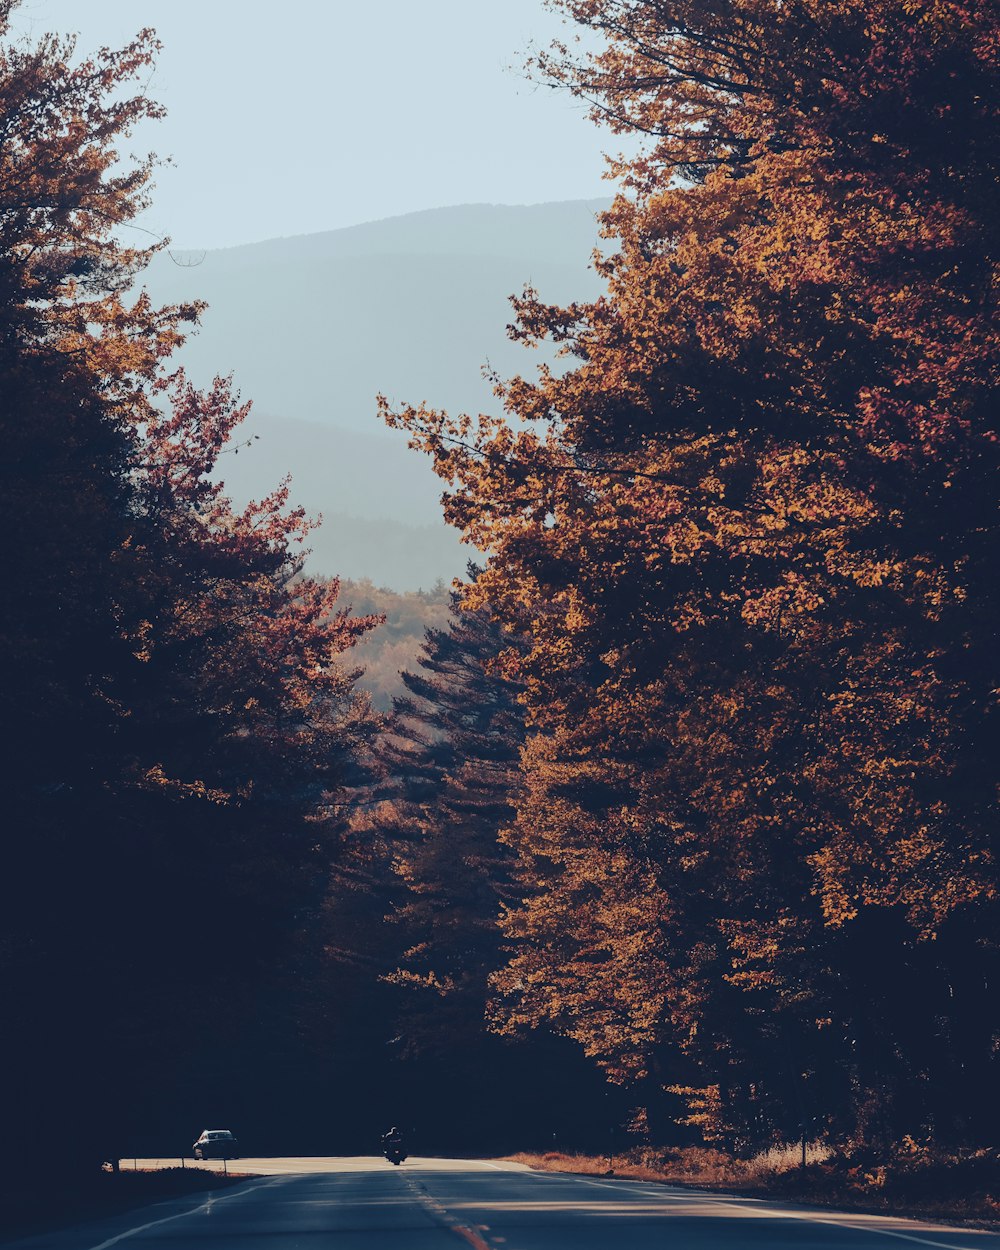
<point>313,327</point>
<point>541,210</point>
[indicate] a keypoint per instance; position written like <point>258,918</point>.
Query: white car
<point>216,1143</point>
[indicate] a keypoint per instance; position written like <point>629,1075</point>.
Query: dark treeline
<point>681,819</point>
<point>176,716</point>
<point>192,908</point>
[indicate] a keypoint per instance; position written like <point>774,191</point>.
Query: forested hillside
<point>395,647</point>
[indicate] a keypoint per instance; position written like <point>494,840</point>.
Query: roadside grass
<point>909,1180</point>
<point>48,1201</point>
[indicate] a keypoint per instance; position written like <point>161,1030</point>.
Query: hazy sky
<point>307,115</point>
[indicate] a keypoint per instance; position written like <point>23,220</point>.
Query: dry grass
<point>586,1165</point>
<point>784,1158</point>
<point>695,1165</point>
<point>913,1180</point>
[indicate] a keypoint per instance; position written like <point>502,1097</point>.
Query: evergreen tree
<point>452,754</point>
<point>450,760</point>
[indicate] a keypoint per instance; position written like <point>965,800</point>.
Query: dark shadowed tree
<point>453,753</point>
<point>177,717</point>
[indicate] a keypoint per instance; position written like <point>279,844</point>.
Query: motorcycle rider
<point>394,1138</point>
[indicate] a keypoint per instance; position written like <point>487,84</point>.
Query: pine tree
<point>452,755</point>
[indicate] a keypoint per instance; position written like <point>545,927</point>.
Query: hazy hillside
<point>394,647</point>
<point>404,557</point>
<point>314,327</point>
<point>378,500</point>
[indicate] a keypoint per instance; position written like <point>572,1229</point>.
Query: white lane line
<point>619,1187</point>
<point>206,1205</point>
<point>872,1228</point>
<point>766,1211</point>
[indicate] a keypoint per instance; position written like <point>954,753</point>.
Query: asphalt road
<point>364,1204</point>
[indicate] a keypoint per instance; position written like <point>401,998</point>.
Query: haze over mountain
<point>313,327</point>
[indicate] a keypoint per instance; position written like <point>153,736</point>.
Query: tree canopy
<point>748,537</point>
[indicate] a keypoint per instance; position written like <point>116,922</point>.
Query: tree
<point>430,857</point>
<point>747,539</point>
<point>452,755</point>
<point>178,718</point>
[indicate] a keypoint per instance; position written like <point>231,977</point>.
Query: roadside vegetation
<point>744,546</point>
<point>912,1180</point>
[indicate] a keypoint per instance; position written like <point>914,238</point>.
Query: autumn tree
<point>747,538</point>
<point>427,884</point>
<point>177,718</point>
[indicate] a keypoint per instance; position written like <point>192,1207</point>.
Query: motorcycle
<point>394,1152</point>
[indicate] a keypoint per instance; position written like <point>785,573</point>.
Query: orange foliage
<point>747,536</point>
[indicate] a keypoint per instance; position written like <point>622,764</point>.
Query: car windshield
<point>226,1135</point>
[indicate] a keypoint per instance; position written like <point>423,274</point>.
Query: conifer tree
<point>453,754</point>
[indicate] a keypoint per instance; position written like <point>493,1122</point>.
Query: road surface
<point>439,1204</point>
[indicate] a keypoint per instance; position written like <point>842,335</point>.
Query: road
<point>439,1204</point>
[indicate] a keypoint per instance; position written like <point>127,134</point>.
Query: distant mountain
<point>313,327</point>
<point>403,557</point>
<point>370,473</point>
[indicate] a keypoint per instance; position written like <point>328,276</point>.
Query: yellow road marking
<point>472,1238</point>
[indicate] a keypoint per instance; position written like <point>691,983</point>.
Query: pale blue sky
<point>308,115</point>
